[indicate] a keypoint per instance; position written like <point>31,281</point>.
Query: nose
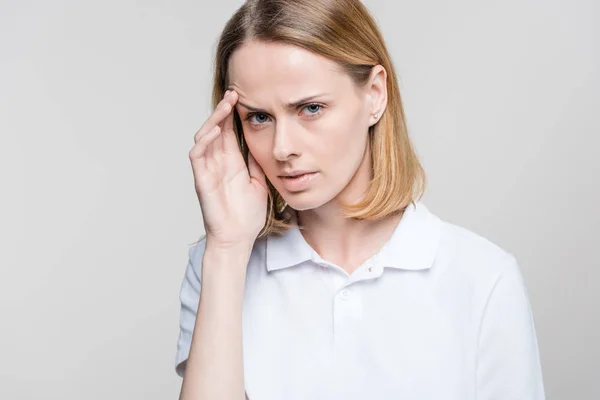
<point>282,146</point>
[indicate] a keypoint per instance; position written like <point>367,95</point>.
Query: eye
<point>250,115</point>
<point>314,111</point>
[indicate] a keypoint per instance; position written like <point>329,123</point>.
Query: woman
<point>322,275</point>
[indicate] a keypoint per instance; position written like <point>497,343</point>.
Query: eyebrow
<point>289,105</point>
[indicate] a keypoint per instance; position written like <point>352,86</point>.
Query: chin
<point>300,202</point>
<point>308,200</point>
<point>302,207</point>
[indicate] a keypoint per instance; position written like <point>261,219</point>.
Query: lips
<point>295,174</point>
<point>298,182</point>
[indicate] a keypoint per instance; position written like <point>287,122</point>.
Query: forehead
<point>259,66</point>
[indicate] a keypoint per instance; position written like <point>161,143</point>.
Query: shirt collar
<point>412,246</point>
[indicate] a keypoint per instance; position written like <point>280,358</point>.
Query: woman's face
<point>326,134</point>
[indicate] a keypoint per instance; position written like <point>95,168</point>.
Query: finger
<point>203,145</point>
<point>214,150</point>
<point>218,142</point>
<point>256,172</point>
<point>219,113</point>
<point>228,121</point>
<point>230,143</point>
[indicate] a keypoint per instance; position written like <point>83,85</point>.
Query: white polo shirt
<point>439,313</point>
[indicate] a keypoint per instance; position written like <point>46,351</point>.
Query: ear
<point>377,91</point>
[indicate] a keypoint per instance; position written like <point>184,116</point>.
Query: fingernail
<point>227,92</point>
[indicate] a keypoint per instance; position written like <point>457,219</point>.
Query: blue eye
<point>313,105</point>
<point>255,114</point>
<point>313,113</point>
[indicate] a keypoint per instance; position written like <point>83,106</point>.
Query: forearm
<point>215,364</point>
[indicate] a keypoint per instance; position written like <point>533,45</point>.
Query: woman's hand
<point>233,197</point>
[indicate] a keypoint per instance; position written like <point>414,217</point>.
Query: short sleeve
<point>508,361</point>
<point>189,296</point>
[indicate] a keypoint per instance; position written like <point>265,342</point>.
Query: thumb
<point>256,172</point>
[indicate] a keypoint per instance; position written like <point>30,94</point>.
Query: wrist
<point>227,257</point>
<point>217,246</point>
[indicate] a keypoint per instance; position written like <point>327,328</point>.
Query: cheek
<point>260,149</point>
<point>344,141</point>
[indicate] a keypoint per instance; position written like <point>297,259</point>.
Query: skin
<point>328,134</point>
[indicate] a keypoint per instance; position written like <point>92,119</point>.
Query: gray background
<point>99,102</point>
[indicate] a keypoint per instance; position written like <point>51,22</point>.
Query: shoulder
<point>474,256</point>
<point>472,246</point>
<point>471,269</point>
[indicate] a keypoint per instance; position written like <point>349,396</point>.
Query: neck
<point>344,241</point>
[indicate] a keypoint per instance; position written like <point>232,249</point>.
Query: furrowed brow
<point>289,105</point>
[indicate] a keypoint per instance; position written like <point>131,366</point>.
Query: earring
<point>376,115</point>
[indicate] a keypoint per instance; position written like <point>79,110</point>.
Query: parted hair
<point>345,32</point>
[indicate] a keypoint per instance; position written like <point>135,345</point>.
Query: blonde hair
<point>345,32</point>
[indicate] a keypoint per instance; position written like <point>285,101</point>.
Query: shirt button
<point>344,295</point>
